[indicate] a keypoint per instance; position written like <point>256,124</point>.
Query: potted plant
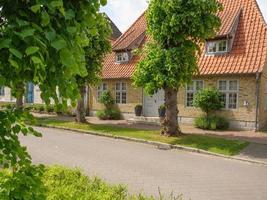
<point>162,111</point>
<point>138,110</point>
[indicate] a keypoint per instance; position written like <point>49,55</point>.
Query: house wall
<point>241,118</point>
<point>8,97</point>
<point>263,99</point>
<point>134,97</point>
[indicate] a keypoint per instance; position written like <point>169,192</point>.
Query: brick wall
<point>263,99</point>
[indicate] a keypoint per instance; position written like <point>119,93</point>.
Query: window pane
<point>124,97</point>
<point>123,86</point>
<point>222,46</point>
<point>2,91</point>
<point>118,86</point>
<point>104,86</point>
<point>199,85</point>
<point>233,85</point>
<point>232,100</point>
<point>211,47</point>
<point>190,87</point>
<point>189,99</point>
<point>223,100</point>
<point>118,97</point>
<point>222,85</point>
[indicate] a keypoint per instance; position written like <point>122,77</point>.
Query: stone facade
<point>134,97</point>
<point>244,117</point>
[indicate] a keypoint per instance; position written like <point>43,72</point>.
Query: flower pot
<point>162,112</point>
<point>138,110</point>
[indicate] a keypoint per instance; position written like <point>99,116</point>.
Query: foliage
<point>57,183</point>
<point>208,143</point>
<point>50,108</point>
<point>106,99</point>
<point>109,114</point>
<point>177,29</point>
<point>212,123</point>
<point>43,42</point>
<point>98,46</point>
<point>208,100</point>
<point>26,183</point>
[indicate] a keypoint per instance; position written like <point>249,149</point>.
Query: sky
<point>124,12</point>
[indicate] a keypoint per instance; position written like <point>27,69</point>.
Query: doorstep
<point>144,120</point>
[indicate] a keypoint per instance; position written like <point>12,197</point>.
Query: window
<point>217,46</point>
<point>229,90</point>
<point>121,93</point>
<point>122,57</point>
<point>2,91</point>
<point>101,88</point>
<point>191,90</point>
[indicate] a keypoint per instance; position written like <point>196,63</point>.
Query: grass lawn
<point>208,143</point>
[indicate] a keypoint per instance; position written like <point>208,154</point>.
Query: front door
<point>152,103</point>
<point>30,93</point>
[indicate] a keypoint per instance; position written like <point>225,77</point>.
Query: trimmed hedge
<point>212,123</point>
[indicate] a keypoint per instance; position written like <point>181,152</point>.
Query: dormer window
<point>122,57</point>
<point>218,46</point>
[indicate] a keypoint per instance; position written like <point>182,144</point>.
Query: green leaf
<point>69,14</point>
<point>71,29</point>
<point>13,63</point>
<point>5,43</point>
<point>103,2</point>
<point>66,58</point>
<point>16,53</point>
<point>50,35</point>
<point>36,60</point>
<point>31,50</point>
<point>45,19</point>
<point>27,32</point>
<point>35,8</point>
<point>59,44</point>
<point>56,4</point>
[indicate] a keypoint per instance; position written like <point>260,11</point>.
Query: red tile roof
<point>248,54</point>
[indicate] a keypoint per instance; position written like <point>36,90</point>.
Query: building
<point>234,62</point>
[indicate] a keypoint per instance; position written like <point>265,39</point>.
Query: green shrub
<point>109,114</point>
<point>50,108</point>
<point>208,100</point>
<point>211,123</point>
<point>107,99</point>
<point>41,108</point>
<point>58,183</point>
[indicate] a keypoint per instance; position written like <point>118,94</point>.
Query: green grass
<point>208,143</point>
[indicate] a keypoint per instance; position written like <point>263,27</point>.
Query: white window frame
<point>122,57</point>
<point>101,89</point>
<point>120,91</point>
<point>194,91</point>
<point>2,91</point>
<point>217,44</point>
<point>227,92</point>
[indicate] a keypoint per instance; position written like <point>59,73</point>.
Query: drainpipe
<point>258,76</point>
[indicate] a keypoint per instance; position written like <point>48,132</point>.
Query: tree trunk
<point>80,111</point>
<point>19,96</point>
<point>170,123</point>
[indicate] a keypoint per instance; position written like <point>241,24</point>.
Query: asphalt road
<point>143,168</point>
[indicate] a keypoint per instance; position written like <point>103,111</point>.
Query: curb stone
<point>159,145</point>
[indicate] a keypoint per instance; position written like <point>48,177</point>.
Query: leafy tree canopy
<point>43,41</point>
<point>177,28</point>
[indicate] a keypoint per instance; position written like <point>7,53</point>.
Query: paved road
<point>144,168</point>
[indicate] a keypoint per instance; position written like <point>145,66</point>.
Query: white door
<point>152,103</point>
